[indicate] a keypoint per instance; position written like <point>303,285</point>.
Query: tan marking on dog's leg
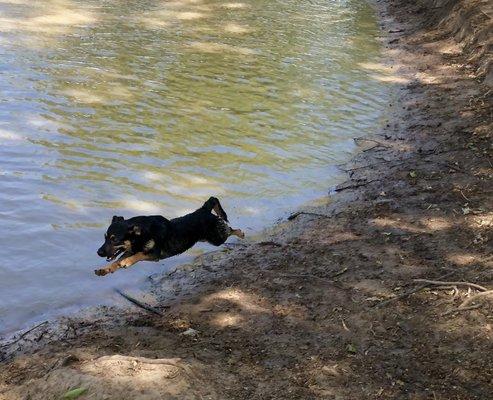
<point>129,261</point>
<point>124,263</point>
<point>237,232</point>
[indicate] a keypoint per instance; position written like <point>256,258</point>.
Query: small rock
<point>190,332</point>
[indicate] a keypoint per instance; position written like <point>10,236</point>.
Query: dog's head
<point>118,238</point>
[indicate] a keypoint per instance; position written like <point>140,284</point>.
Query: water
<point>122,107</point>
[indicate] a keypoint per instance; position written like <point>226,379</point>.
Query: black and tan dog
<point>152,238</point>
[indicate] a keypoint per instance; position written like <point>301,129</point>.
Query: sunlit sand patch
<point>436,224</point>
<point>211,47</point>
<point>476,221</point>
<point>462,259</point>
<point>122,367</point>
<point>236,28</point>
<point>396,224</point>
<point>243,300</point>
<point>225,320</point>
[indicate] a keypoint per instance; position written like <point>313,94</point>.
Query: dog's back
<point>198,225</point>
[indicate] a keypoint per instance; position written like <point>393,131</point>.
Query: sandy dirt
<point>320,308</point>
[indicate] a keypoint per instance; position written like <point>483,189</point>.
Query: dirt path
<point>320,310</point>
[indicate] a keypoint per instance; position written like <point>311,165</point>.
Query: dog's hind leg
<point>125,263</point>
<point>214,204</point>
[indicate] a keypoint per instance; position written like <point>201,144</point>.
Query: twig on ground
<point>371,140</point>
<point>442,283</point>
<point>459,309</point>
<point>24,334</point>
<point>138,303</point>
<point>463,195</point>
<point>269,243</point>
<point>294,215</point>
<point>342,271</point>
<point>303,276</point>
<point>340,189</point>
<point>410,292</point>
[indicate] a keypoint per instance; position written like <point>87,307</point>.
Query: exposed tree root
<point>442,283</point>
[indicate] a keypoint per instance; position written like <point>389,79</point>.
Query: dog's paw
<point>100,272</point>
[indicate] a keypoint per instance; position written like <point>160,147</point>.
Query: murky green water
<point>135,107</point>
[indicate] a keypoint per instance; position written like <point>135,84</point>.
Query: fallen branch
<point>24,334</point>
<point>302,276</point>
<point>340,189</point>
<point>442,283</point>
<point>342,271</point>
<point>458,309</point>
<point>293,216</point>
<point>373,141</point>
<point>410,292</point>
<point>269,243</point>
<point>138,303</point>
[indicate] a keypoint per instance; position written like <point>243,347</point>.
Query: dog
<point>153,238</point>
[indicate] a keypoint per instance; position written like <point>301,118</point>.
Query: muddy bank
<point>327,306</point>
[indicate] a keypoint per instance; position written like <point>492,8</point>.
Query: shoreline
<point>320,304</point>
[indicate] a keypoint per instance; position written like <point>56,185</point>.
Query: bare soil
<point>320,308</point>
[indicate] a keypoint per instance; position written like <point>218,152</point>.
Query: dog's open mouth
<point>115,254</point>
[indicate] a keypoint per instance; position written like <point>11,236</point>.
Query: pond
<point>149,107</point>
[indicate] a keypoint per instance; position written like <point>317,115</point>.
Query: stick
<point>410,292</point>
<point>340,189</point>
<point>293,216</point>
<point>138,303</point>
<point>269,243</point>
<point>459,309</point>
<point>24,334</point>
<point>342,271</point>
<point>300,276</point>
<point>442,283</point>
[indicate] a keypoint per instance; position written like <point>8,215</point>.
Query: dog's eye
<point>113,238</point>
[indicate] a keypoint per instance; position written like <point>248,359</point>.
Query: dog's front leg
<point>125,263</point>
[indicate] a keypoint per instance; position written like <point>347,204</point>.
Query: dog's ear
<point>117,219</point>
<point>136,229</point>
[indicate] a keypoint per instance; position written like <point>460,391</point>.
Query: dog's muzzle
<point>112,254</point>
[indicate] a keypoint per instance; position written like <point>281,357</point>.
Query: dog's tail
<point>213,204</point>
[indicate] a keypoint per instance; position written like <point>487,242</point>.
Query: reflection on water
<point>152,106</point>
